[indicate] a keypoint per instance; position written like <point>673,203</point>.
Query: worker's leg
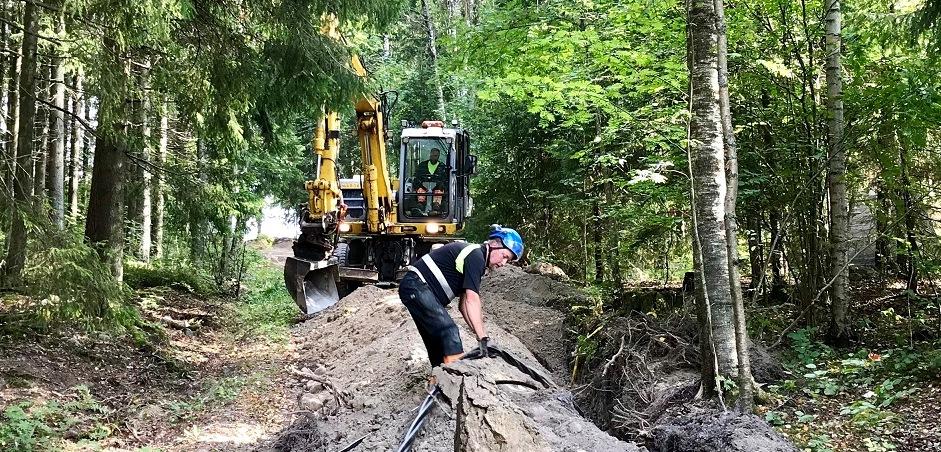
<point>438,331</point>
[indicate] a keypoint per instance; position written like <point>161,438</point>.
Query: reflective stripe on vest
<point>433,267</point>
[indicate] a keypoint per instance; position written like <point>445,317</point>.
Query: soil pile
<point>363,372</point>
<point>712,431</point>
<point>527,305</point>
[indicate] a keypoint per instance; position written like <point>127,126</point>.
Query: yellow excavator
<point>367,229</point>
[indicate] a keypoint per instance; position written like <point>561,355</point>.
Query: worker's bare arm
<point>472,311</point>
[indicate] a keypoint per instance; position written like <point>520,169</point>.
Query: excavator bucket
<point>313,284</point>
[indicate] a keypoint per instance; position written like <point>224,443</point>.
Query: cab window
<point>427,177</point>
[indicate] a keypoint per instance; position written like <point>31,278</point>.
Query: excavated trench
<point>364,372</point>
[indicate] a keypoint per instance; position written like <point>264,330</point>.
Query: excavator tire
<point>342,254</point>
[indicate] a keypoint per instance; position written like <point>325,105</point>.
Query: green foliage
<point>214,393</point>
<point>27,427</point>
<point>266,309</point>
<point>806,349</point>
<point>69,284</point>
<point>177,275</point>
<point>868,387</point>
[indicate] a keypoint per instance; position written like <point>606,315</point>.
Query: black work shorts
<point>437,329</point>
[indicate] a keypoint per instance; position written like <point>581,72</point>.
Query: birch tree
<point>161,184</point>
<point>707,162</point>
<point>76,148</point>
<point>836,179</point>
<point>731,222</point>
<point>57,127</point>
<point>146,205</point>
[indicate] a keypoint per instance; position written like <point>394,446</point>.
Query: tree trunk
<point>756,250</point>
<point>104,224</point>
<point>13,115</point>
<point>777,253</point>
<point>87,137</point>
<point>707,159</point>
<point>597,242</point>
<point>910,214</point>
<point>6,173</point>
<point>41,157</point>
<point>57,157</point>
<point>146,177</point>
<point>160,187</point>
<point>16,242</point>
<point>433,51</point>
<point>76,150</point>
<point>745,401</point>
<point>840,328</point>
<point>197,223</point>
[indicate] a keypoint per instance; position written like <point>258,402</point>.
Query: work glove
<point>483,343</point>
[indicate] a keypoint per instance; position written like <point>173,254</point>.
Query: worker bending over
<point>454,270</point>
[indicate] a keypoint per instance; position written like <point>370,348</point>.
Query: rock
<point>311,402</point>
<point>498,408</point>
<point>358,403</point>
<point>547,269</point>
<point>320,370</point>
<point>314,386</point>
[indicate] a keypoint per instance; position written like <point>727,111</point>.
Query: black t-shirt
<point>461,265</point>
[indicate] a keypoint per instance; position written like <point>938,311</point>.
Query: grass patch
<point>215,393</point>
<point>266,309</point>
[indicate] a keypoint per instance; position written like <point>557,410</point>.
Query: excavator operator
<point>454,270</point>
<point>432,177</point>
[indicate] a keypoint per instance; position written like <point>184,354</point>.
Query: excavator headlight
<point>345,227</point>
<point>432,228</point>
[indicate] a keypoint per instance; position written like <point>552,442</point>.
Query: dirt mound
<point>520,286</point>
<point>526,304</point>
<point>363,372</point>
<point>712,431</point>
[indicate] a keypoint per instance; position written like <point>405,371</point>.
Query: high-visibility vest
<point>439,277</point>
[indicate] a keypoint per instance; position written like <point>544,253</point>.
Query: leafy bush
<point>71,284</point>
<point>169,274</point>
<point>26,427</point>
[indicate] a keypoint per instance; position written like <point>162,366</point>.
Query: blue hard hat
<point>510,239</point>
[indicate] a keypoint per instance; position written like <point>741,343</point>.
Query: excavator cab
<point>435,167</point>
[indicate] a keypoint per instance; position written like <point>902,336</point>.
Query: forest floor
<point>881,393</point>
<point>240,375</point>
<point>216,379</point>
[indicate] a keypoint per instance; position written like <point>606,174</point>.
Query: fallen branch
<point>174,323</point>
